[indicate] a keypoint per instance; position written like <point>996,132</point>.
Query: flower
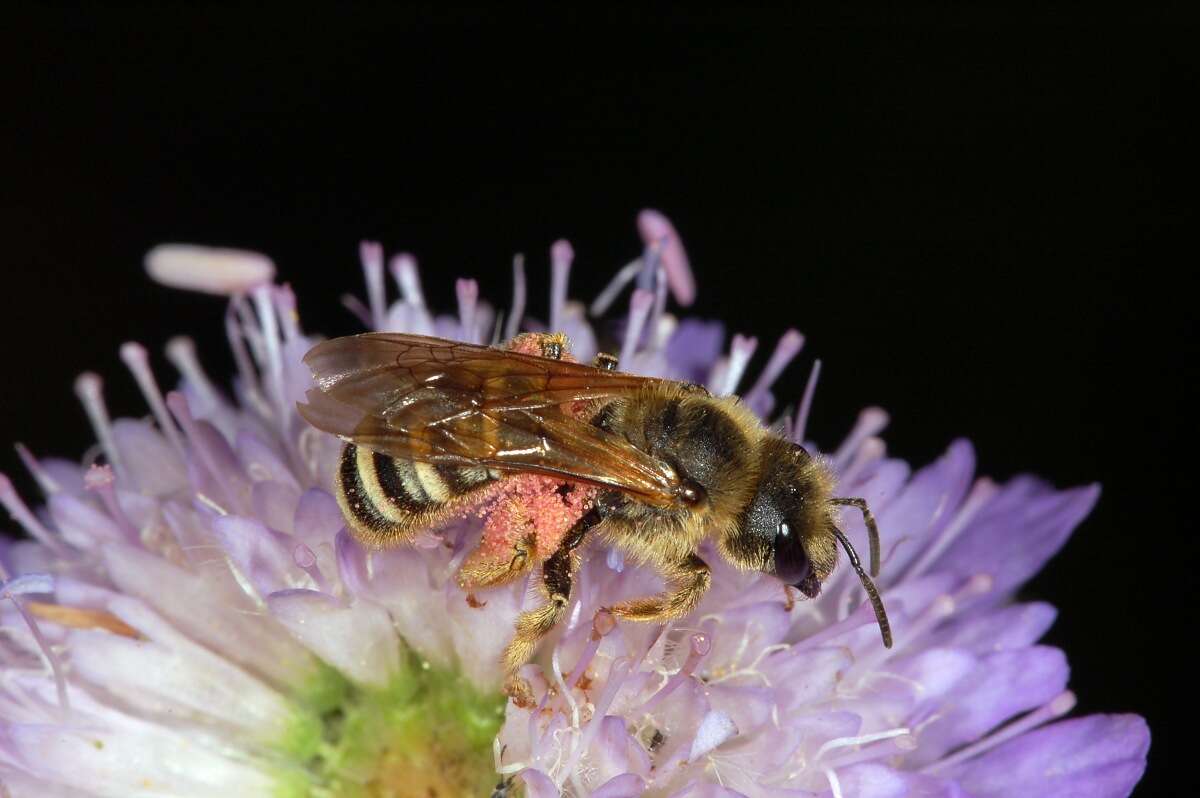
<point>193,619</point>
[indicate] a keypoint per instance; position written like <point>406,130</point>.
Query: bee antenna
<point>881,618</point>
<point>872,528</point>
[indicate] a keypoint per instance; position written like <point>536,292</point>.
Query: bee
<point>435,427</point>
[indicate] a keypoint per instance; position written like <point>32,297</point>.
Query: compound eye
<point>791,563</point>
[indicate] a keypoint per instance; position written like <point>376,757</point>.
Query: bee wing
<point>445,402</point>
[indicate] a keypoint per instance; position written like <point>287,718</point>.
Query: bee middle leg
<point>533,625</point>
<point>687,582</point>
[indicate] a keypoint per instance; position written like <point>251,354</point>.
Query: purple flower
<point>193,619</point>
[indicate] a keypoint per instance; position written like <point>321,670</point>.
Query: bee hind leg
<point>605,361</point>
<point>534,624</point>
<point>687,581</point>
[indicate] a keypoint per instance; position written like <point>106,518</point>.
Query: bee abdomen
<point>387,499</point>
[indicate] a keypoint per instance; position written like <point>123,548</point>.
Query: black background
<point>975,220</point>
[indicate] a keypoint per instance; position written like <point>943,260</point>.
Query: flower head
<point>192,618</point>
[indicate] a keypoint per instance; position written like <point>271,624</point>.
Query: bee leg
<point>533,625</point>
<point>605,361</point>
<point>687,581</point>
<point>474,575</point>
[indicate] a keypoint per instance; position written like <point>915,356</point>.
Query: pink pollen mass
<point>531,506</point>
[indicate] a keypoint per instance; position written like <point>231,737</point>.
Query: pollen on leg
<point>534,508</point>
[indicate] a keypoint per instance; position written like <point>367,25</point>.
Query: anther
<point>181,351</point>
<point>404,271</point>
<point>90,390</point>
<point>99,480</point>
<point>740,352</point>
<point>468,296</point>
<point>138,362</point>
<point>513,326</point>
<point>561,256</point>
<point>698,647</point>
<point>20,512</point>
<point>371,255</point>
<point>225,272</point>
<point>639,308</point>
<point>810,388</point>
<point>790,344</point>
<point>655,227</point>
<point>47,483</point>
<point>36,583</point>
<point>871,422</point>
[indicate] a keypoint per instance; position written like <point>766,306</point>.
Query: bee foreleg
<point>687,581</point>
<point>534,624</point>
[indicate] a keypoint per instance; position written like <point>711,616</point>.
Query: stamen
<point>617,673</point>
<point>371,255</point>
<point>865,739</point>
<point>938,610</point>
<point>20,512</point>
<point>660,303</point>
<point>81,618</point>
<point>100,479</point>
<point>306,560</point>
<point>273,353</point>
<point>138,362</point>
<point>872,449</point>
<point>740,352</point>
<point>810,388</point>
<point>871,421</point>
<point>700,645</point>
<point>468,297</point>
<point>32,583</point>
<point>404,271</point>
<point>355,305</point>
<point>602,625</point>
<point>1058,706</point>
<point>622,278</point>
<point>561,256</point>
<point>639,309</point>
<point>47,483</point>
<point>981,493</point>
<point>835,786</point>
<point>235,333</point>
<point>181,351</point>
<point>90,390</point>
<point>225,272</point>
<point>178,405</point>
<point>651,261</point>
<point>790,344</point>
<point>654,226</point>
<point>285,311</point>
<point>904,741</point>
<point>513,326</point>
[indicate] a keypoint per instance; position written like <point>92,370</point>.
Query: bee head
<point>782,530</point>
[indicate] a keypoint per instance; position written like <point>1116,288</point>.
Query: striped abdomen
<point>387,500</point>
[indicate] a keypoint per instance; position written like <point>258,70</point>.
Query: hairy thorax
<point>710,442</point>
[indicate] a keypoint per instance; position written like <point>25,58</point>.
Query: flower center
<point>427,735</point>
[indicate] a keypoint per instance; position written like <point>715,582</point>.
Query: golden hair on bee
<point>435,426</point>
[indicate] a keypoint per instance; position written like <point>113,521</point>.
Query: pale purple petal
<point>1018,531</point>
<point>356,639</point>
<point>627,785</point>
<point>1099,756</point>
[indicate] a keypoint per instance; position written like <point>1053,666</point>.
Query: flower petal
<point>627,785</point>
<point>1015,533</point>
<point>1099,756</point>
<point>356,639</point>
